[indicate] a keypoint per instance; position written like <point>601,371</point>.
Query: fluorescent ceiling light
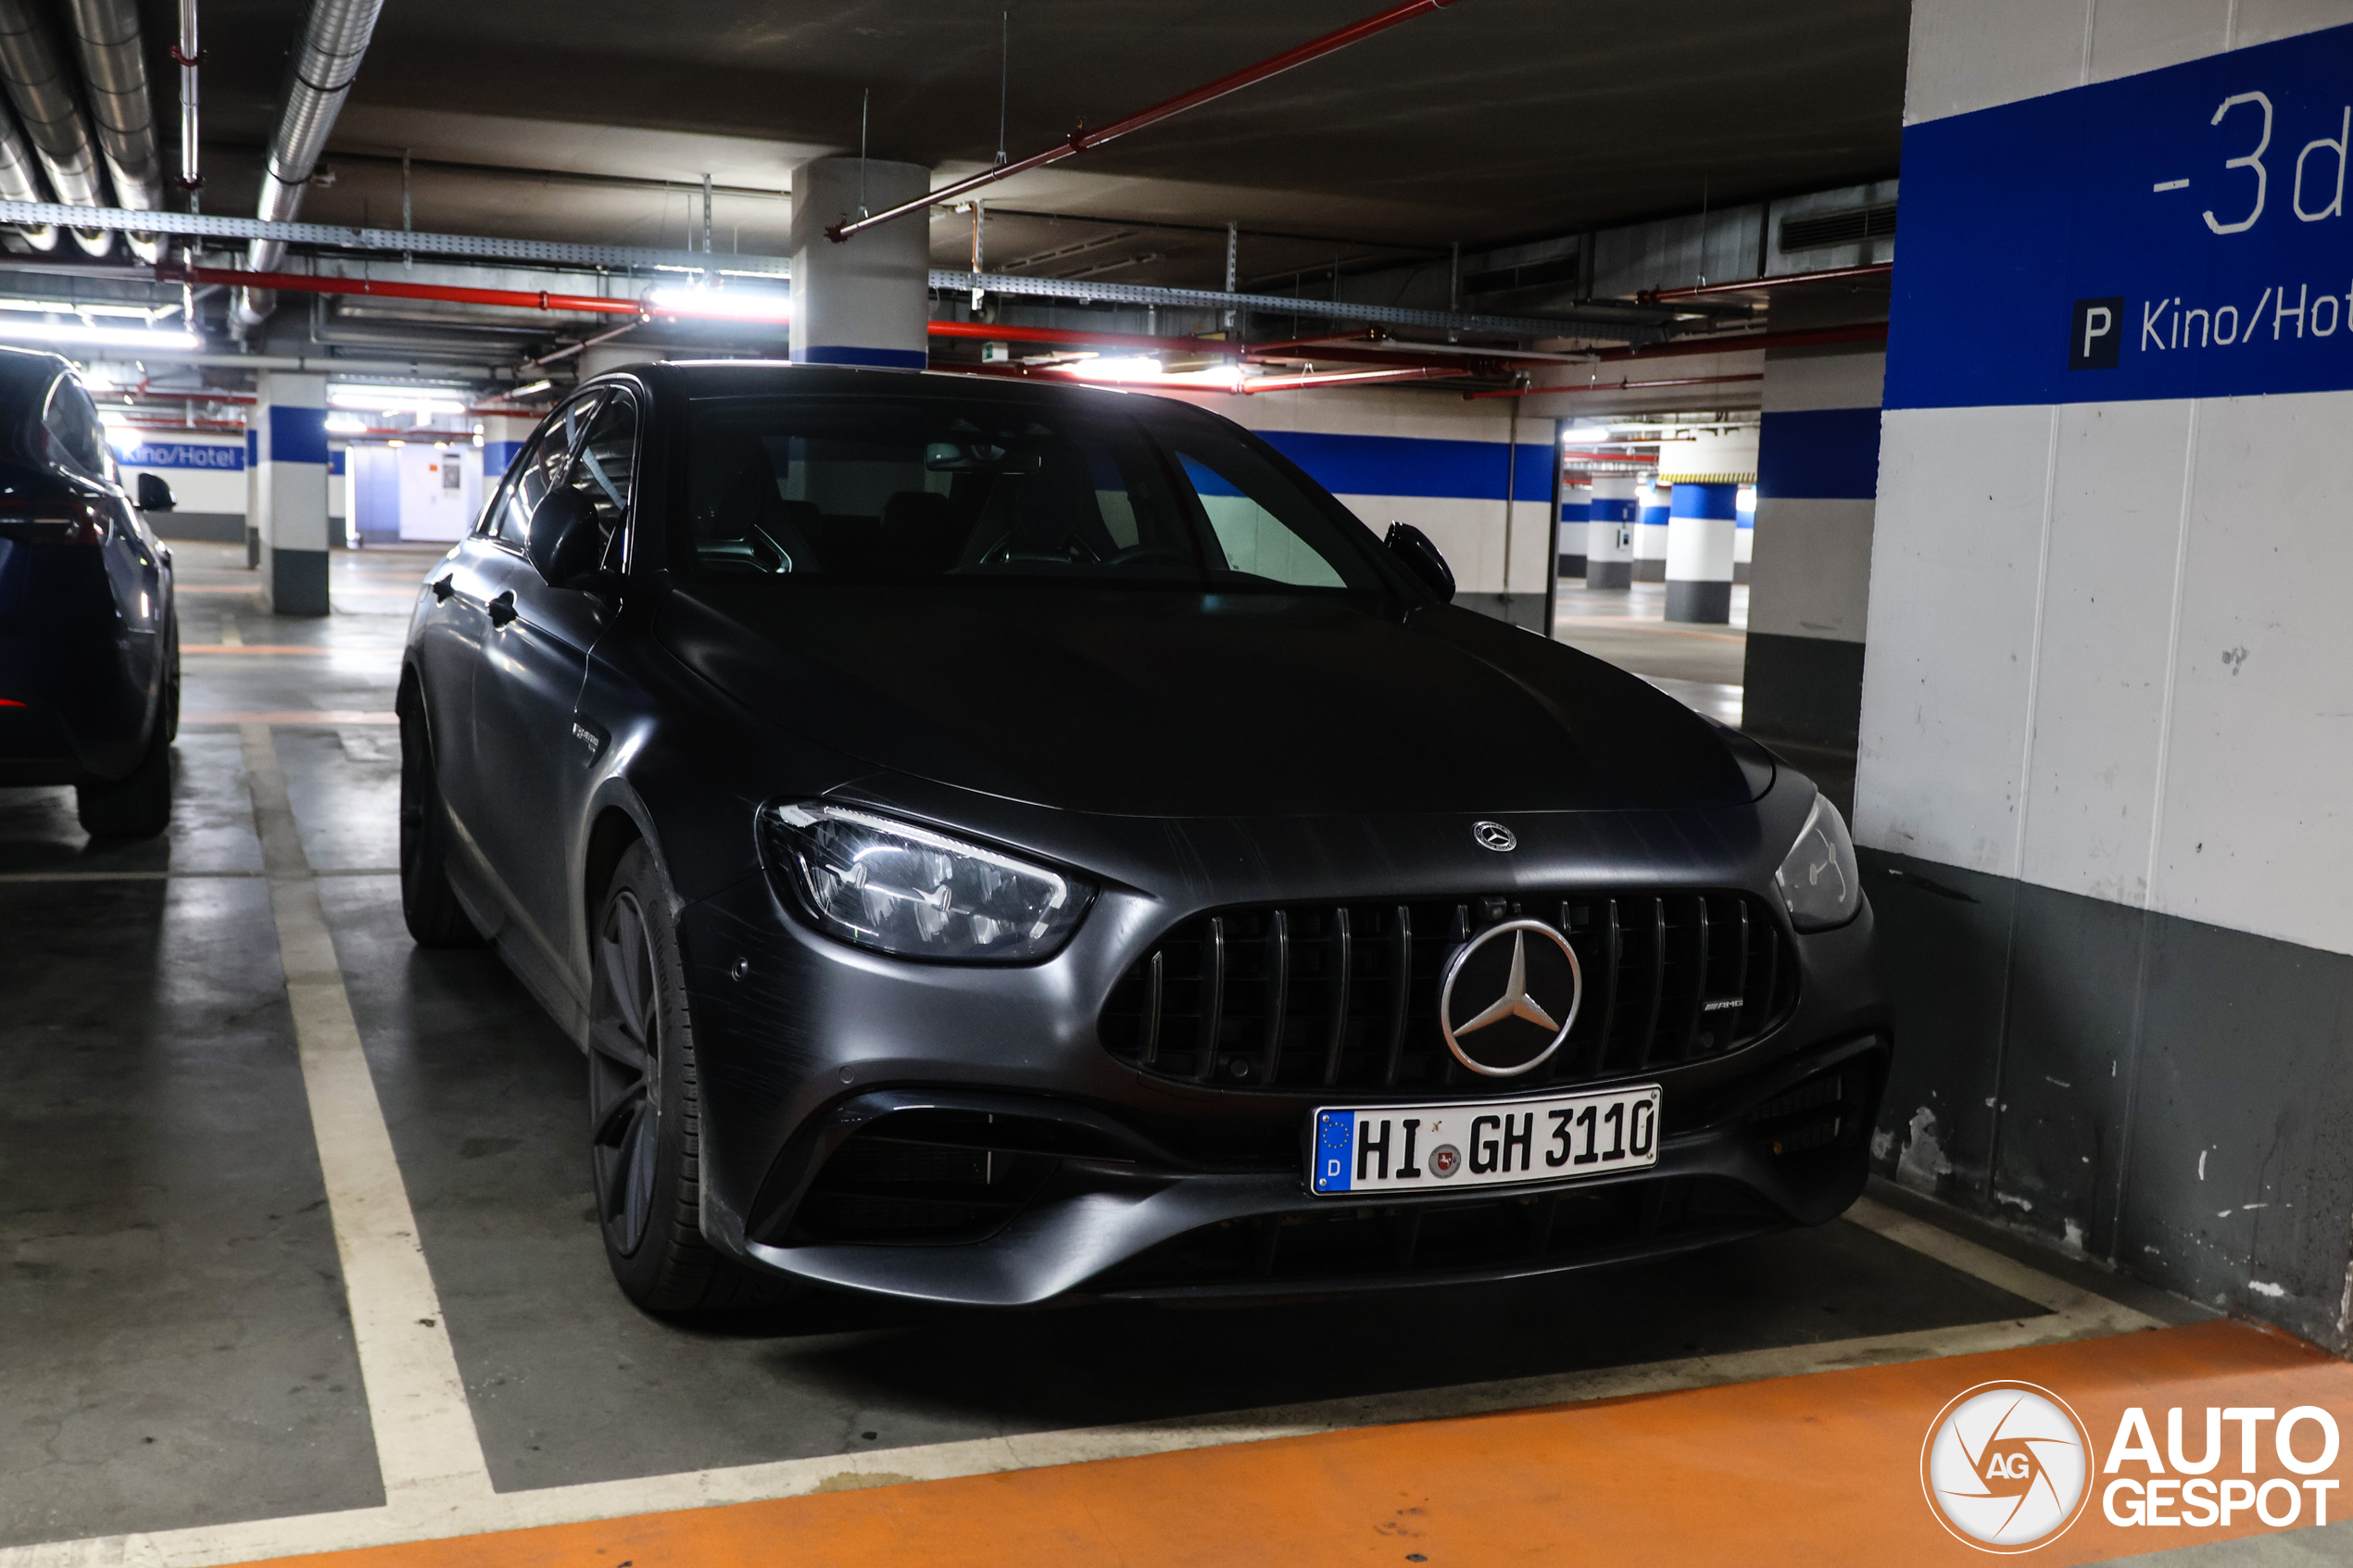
<point>717,304</point>
<point>71,308</point>
<point>346,424</point>
<point>396,399</point>
<point>108,337</point>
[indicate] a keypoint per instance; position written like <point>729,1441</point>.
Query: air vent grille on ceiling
<point>1842,228</point>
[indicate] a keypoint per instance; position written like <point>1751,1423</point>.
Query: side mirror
<point>565,540</point>
<point>155,495</point>
<point>1411,545</point>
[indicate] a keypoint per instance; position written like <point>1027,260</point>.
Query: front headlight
<point>900,888</point>
<point>1818,878</point>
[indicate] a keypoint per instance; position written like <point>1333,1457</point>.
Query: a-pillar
<point>1703,520</point>
<point>866,300</point>
<point>290,427</point>
<point>1649,533</point>
<point>1575,500</point>
<point>1609,532</point>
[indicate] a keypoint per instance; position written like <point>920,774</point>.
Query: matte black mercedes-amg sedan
<point>89,643</point>
<point>997,842</point>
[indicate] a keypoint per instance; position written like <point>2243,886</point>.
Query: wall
<point>2105,715</point>
<point>432,509</point>
<point>208,478</point>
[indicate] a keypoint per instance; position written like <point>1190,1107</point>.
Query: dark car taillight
<point>52,520</point>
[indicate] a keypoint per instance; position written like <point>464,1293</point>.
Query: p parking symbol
<point>2098,336</point>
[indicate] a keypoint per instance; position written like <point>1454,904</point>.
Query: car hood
<point>1165,703</point>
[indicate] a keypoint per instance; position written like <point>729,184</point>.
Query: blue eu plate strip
<point>1334,1141</point>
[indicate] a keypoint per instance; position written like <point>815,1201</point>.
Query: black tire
<point>140,805</point>
<point>644,1131</point>
<point>427,902</point>
<point>171,675</point>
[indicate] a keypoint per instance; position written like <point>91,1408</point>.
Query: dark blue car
<point>89,644</point>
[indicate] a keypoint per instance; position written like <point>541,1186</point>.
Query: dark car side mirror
<point>1411,545</point>
<point>565,540</point>
<point>155,495</point>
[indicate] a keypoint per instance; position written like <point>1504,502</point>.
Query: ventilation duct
<point>20,180</point>
<point>43,98</point>
<point>335,36</point>
<point>106,35</point>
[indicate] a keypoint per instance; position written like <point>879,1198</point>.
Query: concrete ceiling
<point>1493,119</point>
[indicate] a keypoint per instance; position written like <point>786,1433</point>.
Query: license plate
<point>1493,1142</point>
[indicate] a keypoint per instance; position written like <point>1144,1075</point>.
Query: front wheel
<point>428,903</point>
<point>645,1102</point>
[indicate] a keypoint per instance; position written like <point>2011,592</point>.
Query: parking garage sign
<point>2181,233</point>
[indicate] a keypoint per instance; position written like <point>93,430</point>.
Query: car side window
<point>76,437</point>
<point>605,470</point>
<point>541,468</point>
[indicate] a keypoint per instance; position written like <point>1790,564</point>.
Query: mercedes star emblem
<point>1495,836</point>
<point>1539,990</point>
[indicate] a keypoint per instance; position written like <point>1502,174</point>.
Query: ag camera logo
<point>2006,1467</point>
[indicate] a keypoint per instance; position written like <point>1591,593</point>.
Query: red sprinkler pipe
<point>1000,333</point>
<point>303,282</point>
<point>1082,139</point>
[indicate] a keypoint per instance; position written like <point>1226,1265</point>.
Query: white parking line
<point>426,1445</point>
<point>2073,1314</point>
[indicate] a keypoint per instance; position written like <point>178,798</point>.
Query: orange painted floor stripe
<point>1820,1470</point>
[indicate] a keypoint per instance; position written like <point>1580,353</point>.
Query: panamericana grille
<point>1345,996</point>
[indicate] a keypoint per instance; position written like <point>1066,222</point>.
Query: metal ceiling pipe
<point>334,37</point>
<point>114,70</point>
<point>187,55</point>
<point>20,180</point>
<point>42,94</point>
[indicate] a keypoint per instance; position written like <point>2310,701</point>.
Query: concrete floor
<point>176,1340</point>
<point>1700,666</point>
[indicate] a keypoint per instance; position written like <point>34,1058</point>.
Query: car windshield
<point>979,489</point>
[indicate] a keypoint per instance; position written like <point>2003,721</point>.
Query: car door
<point>529,690</point>
<point>455,634</point>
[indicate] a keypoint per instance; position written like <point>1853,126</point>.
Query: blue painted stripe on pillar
<point>1610,508</point>
<point>1819,455</point>
<point>1717,503</point>
<point>253,446</point>
<point>298,435</point>
<point>1654,517</point>
<point>1407,465</point>
<point>334,462</point>
<point>1576,511</point>
<point>869,359</point>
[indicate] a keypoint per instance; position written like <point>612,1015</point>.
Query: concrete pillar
<point>1699,553</point>
<point>290,426</point>
<point>1817,484</point>
<point>1575,500</point>
<point>1649,533</point>
<point>253,496</point>
<point>1707,475</point>
<point>502,437</point>
<point>866,301</point>
<point>1745,539</point>
<point>1609,532</point>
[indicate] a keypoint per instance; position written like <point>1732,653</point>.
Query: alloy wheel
<point>625,1074</point>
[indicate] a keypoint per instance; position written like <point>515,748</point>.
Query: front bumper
<point>1129,1185</point>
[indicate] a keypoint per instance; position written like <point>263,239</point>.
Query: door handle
<point>443,587</point>
<point>502,608</point>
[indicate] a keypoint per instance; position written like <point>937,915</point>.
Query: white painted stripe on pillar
<point>426,1447</point>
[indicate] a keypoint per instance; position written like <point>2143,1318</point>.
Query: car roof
<point>721,378</point>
